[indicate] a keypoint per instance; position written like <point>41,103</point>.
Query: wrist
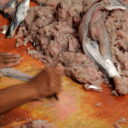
<point>31,92</point>
<point>34,94</point>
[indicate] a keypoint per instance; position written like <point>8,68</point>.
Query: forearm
<point>14,96</point>
<point>46,83</point>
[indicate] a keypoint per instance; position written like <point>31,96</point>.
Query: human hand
<point>9,60</point>
<point>47,82</point>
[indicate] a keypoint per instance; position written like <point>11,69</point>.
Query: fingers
<point>57,79</point>
<point>9,64</point>
<point>48,82</point>
<point>59,69</point>
<point>9,54</point>
<point>13,63</point>
<point>9,60</point>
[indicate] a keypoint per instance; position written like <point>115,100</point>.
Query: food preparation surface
<point>76,107</point>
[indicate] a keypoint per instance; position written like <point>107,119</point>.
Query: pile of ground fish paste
<point>52,28</point>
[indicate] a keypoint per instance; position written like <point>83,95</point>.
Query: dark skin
<point>9,60</point>
<point>46,83</point>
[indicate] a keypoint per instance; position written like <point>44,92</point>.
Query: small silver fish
<point>106,64</point>
<point>91,47</point>
<point>13,73</point>
<point>19,16</point>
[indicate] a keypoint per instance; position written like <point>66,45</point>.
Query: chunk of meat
<point>80,68</point>
<point>121,84</point>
